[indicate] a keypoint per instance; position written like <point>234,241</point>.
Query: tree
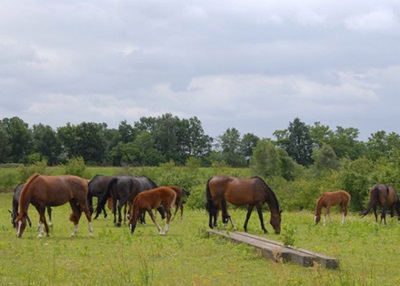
<point>85,140</point>
<point>5,147</point>
<point>269,160</point>
<point>297,142</point>
<point>249,141</point>
<point>230,143</point>
<point>324,159</point>
<point>46,143</point>
<point>19,139</point>
<point>345,144</point>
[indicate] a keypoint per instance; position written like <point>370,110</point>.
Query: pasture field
<point>368,252</point>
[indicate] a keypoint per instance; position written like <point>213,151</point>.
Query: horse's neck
<point>24,201</point>
<point>319,207</point>
<point>272,202</point>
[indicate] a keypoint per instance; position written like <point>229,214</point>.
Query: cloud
<point>380,20</point>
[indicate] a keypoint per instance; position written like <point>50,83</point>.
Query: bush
<point>76,166</point>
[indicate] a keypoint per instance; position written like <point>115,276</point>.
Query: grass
<point>368,252</point>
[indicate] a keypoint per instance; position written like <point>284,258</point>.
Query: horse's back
<point>238,191</point>
<point>57,190</point>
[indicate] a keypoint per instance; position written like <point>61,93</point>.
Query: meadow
<point>368,252</point>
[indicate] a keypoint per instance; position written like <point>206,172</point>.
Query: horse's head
<point>20,223</point>
<point>317,218</point>
<point>275,221</point>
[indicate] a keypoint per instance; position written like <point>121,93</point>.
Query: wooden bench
<point>276,251</point>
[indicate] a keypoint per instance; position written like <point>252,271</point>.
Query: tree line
<point>155,140</point>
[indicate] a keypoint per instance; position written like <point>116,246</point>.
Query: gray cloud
<point>252,65</point>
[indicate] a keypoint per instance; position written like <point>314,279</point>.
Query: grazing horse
<point>123,189</point>
<point>180,192</point>
<point>253,192</point>
<point>329,199</point>
<point>149,200</point>
<point>384,197</point>
<point>14,212</point>
<point>42,191</point>
<point>97,188</point>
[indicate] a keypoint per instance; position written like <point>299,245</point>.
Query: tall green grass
<point>368,252</point>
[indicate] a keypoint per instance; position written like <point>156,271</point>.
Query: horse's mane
<point>154,185</point>
<point>275,199</point>
<point>24,195</point>
<point>91,181</point>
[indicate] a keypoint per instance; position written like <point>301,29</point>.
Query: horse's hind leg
<point>75,215</point>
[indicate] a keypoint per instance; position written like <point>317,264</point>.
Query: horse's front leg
<point>248,215</point>
<point>260,216</point>
<point>42,222</point>
<point>153,218</point>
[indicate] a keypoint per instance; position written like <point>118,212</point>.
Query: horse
<point>14,212</point>
<point>180,192</point>
<point>42,191</point>
<point>123,189</point>
<point>149,200</point>
<point>97,188</point>
<point>253,192</point>
<point>329,199</point>
<point>385,197</point>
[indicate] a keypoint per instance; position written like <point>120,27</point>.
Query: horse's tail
<point>374,198</point>
<point>103,200</point>
<point>209,204</point>
<point>90,194</point>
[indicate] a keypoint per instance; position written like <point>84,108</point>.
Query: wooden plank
<point>277,251</point>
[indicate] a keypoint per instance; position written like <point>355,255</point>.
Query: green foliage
<point>25,171</point>
<point>76,166</point>
<point>288,235</point>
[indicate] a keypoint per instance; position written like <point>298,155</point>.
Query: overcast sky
<point>252,65</point>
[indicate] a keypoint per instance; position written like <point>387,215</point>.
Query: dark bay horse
<point>329,199</point>
<point>383,196</point>
<point>123,189</point>
<point>180,193</point>
<point>14,212</point>
<point>253,192</point>
<point>149,200</point>
<point>97,188</point>
<point>42,191</point>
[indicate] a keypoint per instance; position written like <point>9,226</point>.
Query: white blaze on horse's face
<point>21,227</point>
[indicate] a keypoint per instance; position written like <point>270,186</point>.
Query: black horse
<point>97,188</point>
<point>123,190</point>
<point>14,212</point>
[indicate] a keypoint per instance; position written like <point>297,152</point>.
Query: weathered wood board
<point>278,252</point>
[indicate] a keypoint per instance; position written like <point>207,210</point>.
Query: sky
<point>250,65</point>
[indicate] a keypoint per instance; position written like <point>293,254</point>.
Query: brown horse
<point>149,200</point>
<point>385,197</point>
<point>253,192</point>
<point>180,193</point>
<point>329,199</point>
<point>42,191</point>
